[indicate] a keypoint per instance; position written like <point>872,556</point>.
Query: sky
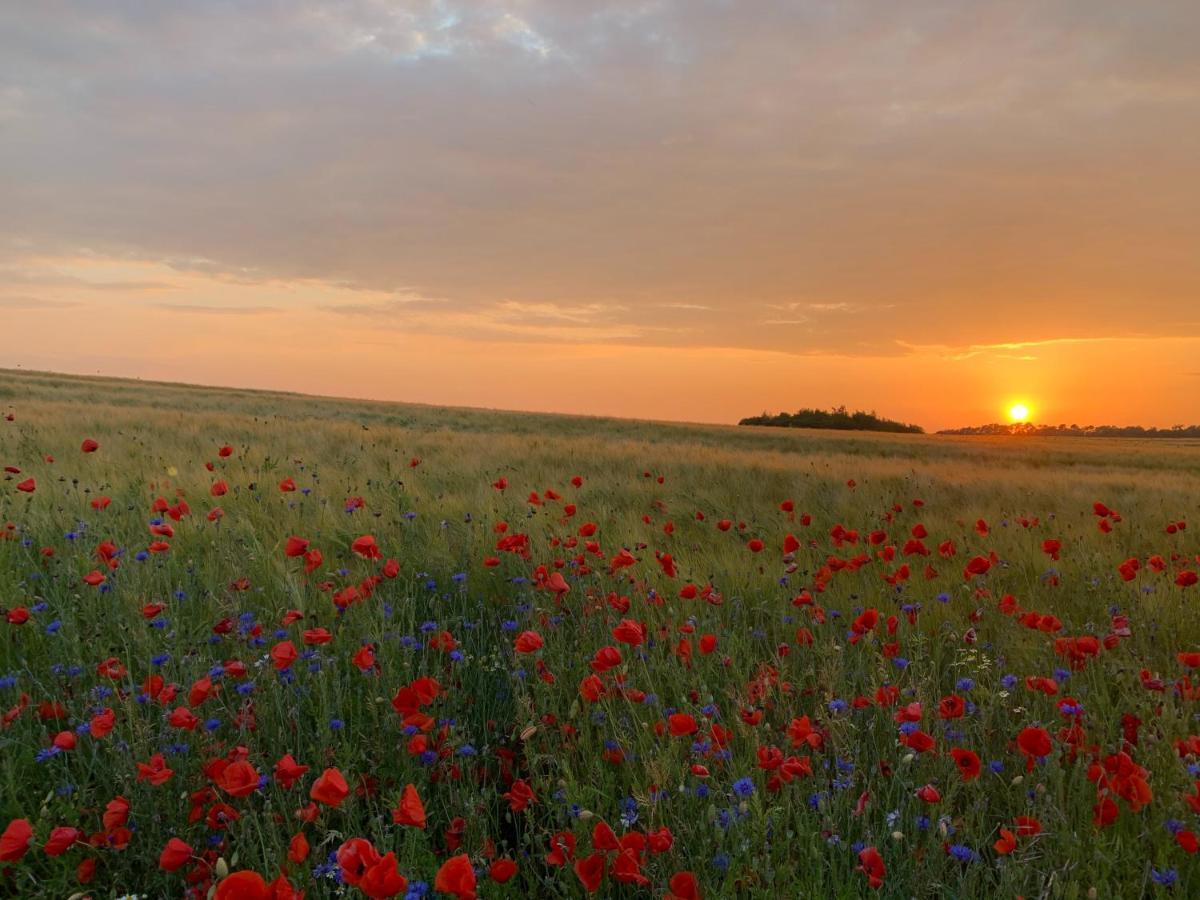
<point>684,210</point>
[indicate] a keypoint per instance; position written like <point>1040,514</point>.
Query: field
<point>639,659</point>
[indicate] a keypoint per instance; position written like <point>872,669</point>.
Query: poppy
<point>501,870</point>
<point>519,796</point>
<point>244,885</point>
<point>28,486</point>
<point>238,779</point>
<point>174,855</point>
<point>298,848</point>
<point>330,788</point>
<point>967,762</point>
<point>528,642</point>
<point>365,547</point>
<point>456,876</point>
<point>89,446</point>
<point>288,771</point>
<point>1035,743</point>
<point>590,872</point>
<point>410,810</point>
<point>871,865</point>
<point>682,724</point>
<point>295,546</point>
<point>683,886</point>
<point>383,879</point>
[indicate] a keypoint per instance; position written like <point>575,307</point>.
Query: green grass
<point>438,520</point>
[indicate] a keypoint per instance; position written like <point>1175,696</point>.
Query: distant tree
<point>1025,428</point>
<point>838,418</point>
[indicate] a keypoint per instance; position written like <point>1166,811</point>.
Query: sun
<point>1018,412</point>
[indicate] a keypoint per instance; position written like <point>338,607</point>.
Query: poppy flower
<point>174,855</point>
<point>590,871</point>
<point>1035,743</point>
<point>244,885</point>
<point>967,762</point>
<point>528,642</point>
<point>456,876</point>
<point>238,779</point>
<point>1007,842</point>
<point>354,857</point>
<point>629,632</point>
<point>410,810</point>
<point>61,839</point>
<point>28,486</point>
<point>501,870</point>
<point>682,724</point>
<point>383,879</point>
<point>519,796</point>
<point>683,886</point>
<point>330,788</point>
<point>89,446</point>
<point>288,771</point>
<point>871,865</point>
<point>283,655</point>
<point>366,548</point>
<point>295,546</point>
<point>298,848</point>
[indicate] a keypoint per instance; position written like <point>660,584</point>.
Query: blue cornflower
<point>1166,877</point>
<point>963,853</point>
<point>744,787</point>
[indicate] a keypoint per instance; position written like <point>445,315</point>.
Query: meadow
<point>259,644</point>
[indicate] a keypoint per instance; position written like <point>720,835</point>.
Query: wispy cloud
<point>213,310</point>
<point>34,303</point>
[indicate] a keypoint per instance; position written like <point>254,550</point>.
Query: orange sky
<point>667,210</point>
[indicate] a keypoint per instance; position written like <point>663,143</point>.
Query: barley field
<point>268,645</point>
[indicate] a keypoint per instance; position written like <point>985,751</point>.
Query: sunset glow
<point>1018,412</point>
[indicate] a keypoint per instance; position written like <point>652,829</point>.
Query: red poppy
<point>590,872</point>
<point>295,546</point>
<point>629,632</point>
<point>245,885</point>
<point>683,886</point>
<point>456,876</point>
<point>330,788</point>
<point>238,779</point>
<point>366,548</point>
<point>383,879</point>
<point>283,655</point>
<point>967,762</point>
<point>519,796</point>
<point>174,855</point>
<point>681,724</point>
<point>298,848</point>
<point>89,446</point>
<point>410,810</point>
<point>501,870</point>
<point>1035,743</point>
<point>871,865</point>
<point>528,642</point>
<point>288,771</point>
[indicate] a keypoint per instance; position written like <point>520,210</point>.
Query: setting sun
<point>1018,412</point>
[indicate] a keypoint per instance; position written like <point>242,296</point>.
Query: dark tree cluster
<point>838,418</point>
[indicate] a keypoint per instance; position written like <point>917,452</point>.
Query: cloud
<point>205,309</point>
<point>910,168</point>
<point>33,303</point>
